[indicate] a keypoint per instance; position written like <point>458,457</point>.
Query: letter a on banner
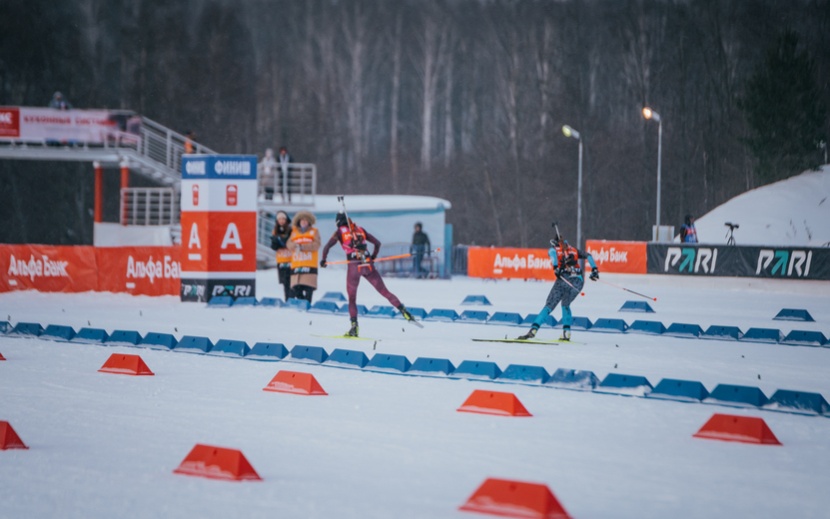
<point>231,237</point>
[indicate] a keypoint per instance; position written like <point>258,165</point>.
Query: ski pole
<point>627,290</point>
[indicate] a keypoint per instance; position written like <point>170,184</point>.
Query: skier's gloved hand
<point>323,264</point>
<point>594,274</point>
<point>559,272</point>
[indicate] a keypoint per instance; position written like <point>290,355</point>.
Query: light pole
<point>570,132</point>
<point>648,113</point>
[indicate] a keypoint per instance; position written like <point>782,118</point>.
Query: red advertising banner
<point>627,257</point>
<point>512,263</point>
<point>48,268</point>
<point>150,271</point>
<point>37,124</point>
<point>218,241</point>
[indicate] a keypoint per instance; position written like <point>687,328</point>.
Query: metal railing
<point>149,206</point>
<point>295,185</point>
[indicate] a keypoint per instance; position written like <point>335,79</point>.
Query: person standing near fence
<point>279,242</point>
<point>283,162</point>
<point>420,247</point>
<point>304,244</point>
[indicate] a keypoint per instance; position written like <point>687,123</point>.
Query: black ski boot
<point>353,331</point>
<point>566,334</point>
<point>405,313</point>
<point>529,335</point>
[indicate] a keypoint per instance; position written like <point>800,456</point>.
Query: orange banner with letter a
<point>627,257</point>
<point>509,263</point>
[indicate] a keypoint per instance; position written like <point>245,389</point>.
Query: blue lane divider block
<point>636,306</point>
<point>386,361</point>
<point>268,351</point>
<point>740,395</point>
<point>684,330</point>
<point>230,348</point>
<point>793,314</point>
<point>5,326</point>
<point>361,309</point>
<point>416,312</point>
<point>194,343</point>
<point>432,365</point>
<point>579,323</point>
<point>337,297</point>
<point>763,335</point>
<point>381,311</point>
<point>717,331</point>
<point>609,325</point>
<point>789,400</point>
<point>323,307</point>
<point>620,381</point>
<point>549,320</point>
<point>27,330</point>
<point>91,335</point>
<point>220,301</point>
<point>245,301</point>
<point>58,332</point>
<point>131,337</point>
<point>441,314</point>
<point>652,327</point>
<point>674,389</point>
<point>297,304</point>
<point>524,373</point>
<point>510,318</point>
<point>573,379</point>
<point>477,369</point>
<point>158,341</point>
<point>313,353</point>
<point>474,316</point>
<point>476,300</point>
<point>350,357</point>
<point>805,338</point>
<point>270,301</point>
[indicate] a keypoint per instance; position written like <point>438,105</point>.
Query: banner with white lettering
<point>618,256</point>
<point>48,268</point>
<point>150,271</point>
<point>36,124</point>
<point>723,260</point>
<point>484,262</point>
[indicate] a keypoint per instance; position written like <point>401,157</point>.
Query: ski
<point>530,341</point>
<point>416,323</point>
<point>344,336</point>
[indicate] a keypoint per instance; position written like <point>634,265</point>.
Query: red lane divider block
<point>125,364</point>
<point>212,462</point>
<point>9,438</point>
<point>493,402</point>
<point>734,428</point>
<point>2,357</point>
<point>508,498</point>
<point>296,383</point>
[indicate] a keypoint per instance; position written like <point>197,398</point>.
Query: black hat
<point>341,219</point>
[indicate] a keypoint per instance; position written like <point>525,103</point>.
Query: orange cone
<point>125,364</point>
<point>296,383</point>
<point>734,428</point>
<point>493,402</point>
<point>212,462</point>
<point>2,357</point>
<point>515,499</point>
<point>9,438</point>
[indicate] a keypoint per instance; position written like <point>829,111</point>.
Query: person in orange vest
<point>279,242</point>
<point>569,282</point>
<point>304,244</point>
<point>353,239</point>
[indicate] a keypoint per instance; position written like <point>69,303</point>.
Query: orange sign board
<point>619,256</point>
<point>515,263</point>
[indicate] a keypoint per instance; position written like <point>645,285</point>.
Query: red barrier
<point>296,383</point>
<point>124,364</point>
<point>217,463</point>
<point>508,498</point>
<point>493,402</point>
<point>734,428</point>
<point>9,438</point>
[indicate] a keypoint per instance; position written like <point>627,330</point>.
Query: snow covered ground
<point>382,445</point>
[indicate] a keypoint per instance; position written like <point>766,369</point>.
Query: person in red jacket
<point>353,239</point>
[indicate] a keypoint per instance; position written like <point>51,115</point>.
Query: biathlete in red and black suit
<point>353,239</point>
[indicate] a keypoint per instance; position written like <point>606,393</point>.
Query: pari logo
<point>241,290</point>
<point>784,262</point>
<point>700,260</point>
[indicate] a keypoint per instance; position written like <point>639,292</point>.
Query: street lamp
<point>648,113</point>
<point>570,132</point>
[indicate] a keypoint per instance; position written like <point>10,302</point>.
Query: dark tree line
<point>460,99</point>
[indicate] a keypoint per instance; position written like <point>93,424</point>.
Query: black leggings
<point>302,292</point>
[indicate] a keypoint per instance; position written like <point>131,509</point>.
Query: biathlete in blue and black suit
<point>569,282</point>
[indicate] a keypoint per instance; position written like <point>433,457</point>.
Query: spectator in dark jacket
<point>420,247</point>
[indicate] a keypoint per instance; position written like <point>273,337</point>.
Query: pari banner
<point>219,212</point>
<point>152,271</point>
